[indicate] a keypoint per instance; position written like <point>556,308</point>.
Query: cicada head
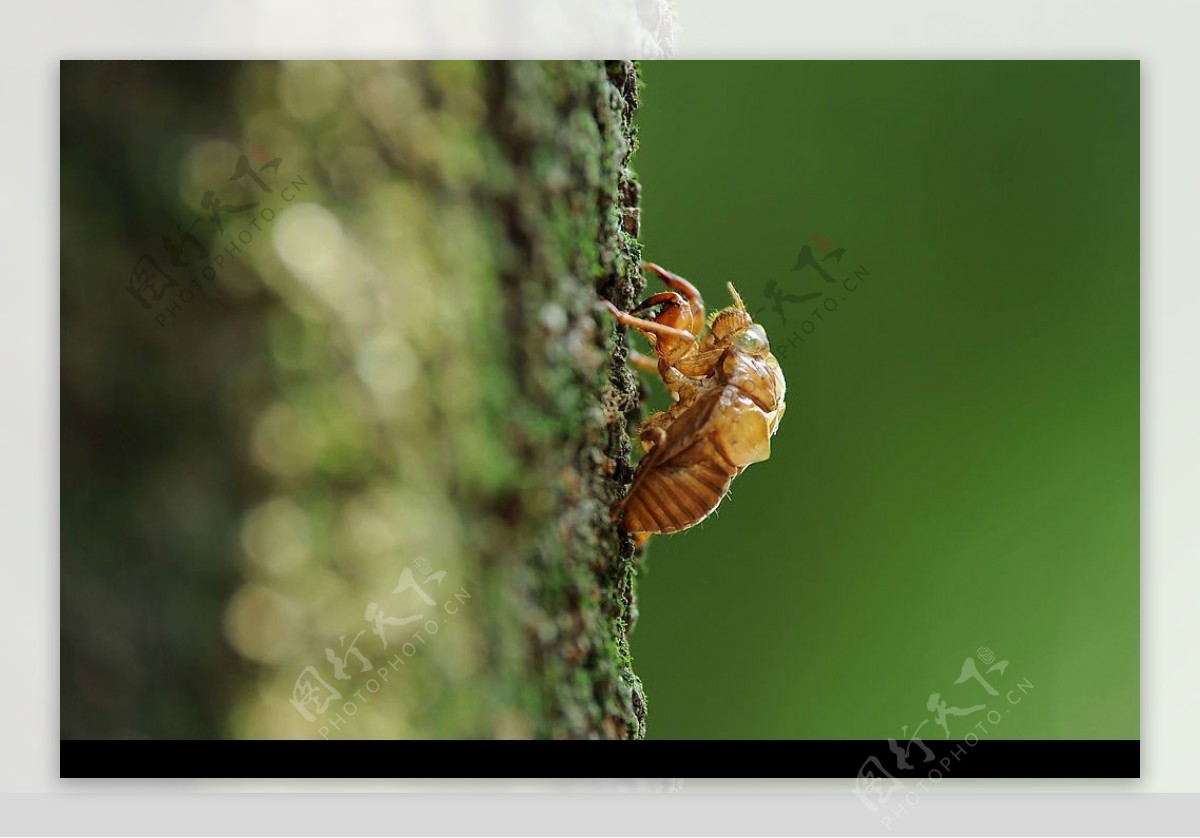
<point>734,327</point>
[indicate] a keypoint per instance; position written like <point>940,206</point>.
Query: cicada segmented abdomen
<point>673,497</point>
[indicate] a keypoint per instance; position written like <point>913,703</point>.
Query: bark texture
<point>575,575</point>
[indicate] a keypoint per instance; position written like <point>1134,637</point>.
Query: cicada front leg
<point>643,362</point>
<point>687,292</point>
<point>653,328</point>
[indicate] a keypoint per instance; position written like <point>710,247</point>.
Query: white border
<point>1158,32</point>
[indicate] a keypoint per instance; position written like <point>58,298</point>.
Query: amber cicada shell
<point>728,398</point>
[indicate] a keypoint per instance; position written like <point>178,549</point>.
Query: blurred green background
<point>958,466</point>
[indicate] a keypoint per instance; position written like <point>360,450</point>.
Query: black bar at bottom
<point>1021,758</point>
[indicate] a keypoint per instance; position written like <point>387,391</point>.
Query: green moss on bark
<point>567,131</point>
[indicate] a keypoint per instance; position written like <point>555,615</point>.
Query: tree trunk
<point>406,400</point>
<point>575,581</point>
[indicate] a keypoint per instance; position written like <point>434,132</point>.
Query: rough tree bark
<point>575,588</point>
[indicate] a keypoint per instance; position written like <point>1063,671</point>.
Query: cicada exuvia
<point>727,394</point>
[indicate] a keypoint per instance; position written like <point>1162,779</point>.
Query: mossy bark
<point>410,366</point>
<point>577,583</point>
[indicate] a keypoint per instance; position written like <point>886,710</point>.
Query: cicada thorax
<point>757,376</point>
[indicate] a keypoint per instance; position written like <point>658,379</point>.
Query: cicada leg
<point>650,327</point>
<point>688,291</point>
<point>643,362</point>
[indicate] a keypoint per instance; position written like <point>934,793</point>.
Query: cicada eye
<point>753,340</point>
